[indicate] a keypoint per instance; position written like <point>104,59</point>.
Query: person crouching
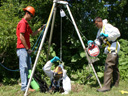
<point>60,82</point>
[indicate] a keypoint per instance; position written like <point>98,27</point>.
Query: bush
<point>123,62</point>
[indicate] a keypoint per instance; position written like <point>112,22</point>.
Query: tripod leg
<point>89,60</point>
<point>52,27</point>
<point>41,44</point>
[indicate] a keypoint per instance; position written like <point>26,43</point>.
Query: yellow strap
<point>109,45</point>
<point>116,46</point>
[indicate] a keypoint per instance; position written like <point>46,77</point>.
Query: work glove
<point>29,51</point>
<point>55,59</point>
<point>89,41</point>
<point>102,34</point>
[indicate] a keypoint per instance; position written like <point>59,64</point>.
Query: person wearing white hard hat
<point>60,82</point>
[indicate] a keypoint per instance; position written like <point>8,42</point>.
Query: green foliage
<point>11,13</point>
<point>81,76</point>
<point>118,14</point>
<point>76,64</point>
<point>8,24</point>
<point>123,62</point>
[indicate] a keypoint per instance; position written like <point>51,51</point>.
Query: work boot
<point>109,63</point>
<point>107,81</point>
<point>103,89</point>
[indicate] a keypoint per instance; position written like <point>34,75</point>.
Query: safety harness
<point>108,43</point>
<point>57,86</point>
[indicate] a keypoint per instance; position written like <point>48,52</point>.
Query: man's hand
<point>29,51</point>
<point>41,27</point>
<point>89,41</point>
<point>102,34</point>
<point>55,59</point>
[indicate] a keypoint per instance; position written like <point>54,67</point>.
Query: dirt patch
<point>77,87</point>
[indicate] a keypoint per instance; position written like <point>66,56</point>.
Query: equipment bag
<point>41,82</point>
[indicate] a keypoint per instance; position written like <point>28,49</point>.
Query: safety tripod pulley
<point>62,13</point>
<point>52,13</point>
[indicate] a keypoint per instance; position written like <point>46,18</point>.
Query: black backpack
<point>42,84</point>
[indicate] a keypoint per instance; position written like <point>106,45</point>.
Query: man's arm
<point>47,69</point>
<point>114,33</point>
<point>22,38</point>
<point>37,31</point>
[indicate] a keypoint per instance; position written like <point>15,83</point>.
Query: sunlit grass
<point>77,90</point>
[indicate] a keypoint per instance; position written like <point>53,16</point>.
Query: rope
<point>8,68</point>
<point>39,39</point>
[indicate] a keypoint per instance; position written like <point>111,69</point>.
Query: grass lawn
<point>77,90</point>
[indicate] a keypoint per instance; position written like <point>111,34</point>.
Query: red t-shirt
<point>23,27</point>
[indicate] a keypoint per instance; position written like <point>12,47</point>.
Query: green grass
<point>77,90</point>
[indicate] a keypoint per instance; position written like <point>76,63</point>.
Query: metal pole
<point>78,33</point>
<point>61,39</point>
<point>52,27</point>
<point>41,44</point>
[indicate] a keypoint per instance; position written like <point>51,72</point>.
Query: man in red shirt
<point>23,32</point>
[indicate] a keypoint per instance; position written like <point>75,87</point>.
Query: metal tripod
<point>53,10</point>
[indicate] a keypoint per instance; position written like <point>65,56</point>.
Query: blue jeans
<point>24,66</point>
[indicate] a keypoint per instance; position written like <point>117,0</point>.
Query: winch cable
<point>61,39</point>
<point>72,23</point>
<point>62,14</point>
<point>94,58</point>
<point>79,31</point>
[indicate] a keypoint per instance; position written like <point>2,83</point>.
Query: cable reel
<point>93,50</point>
